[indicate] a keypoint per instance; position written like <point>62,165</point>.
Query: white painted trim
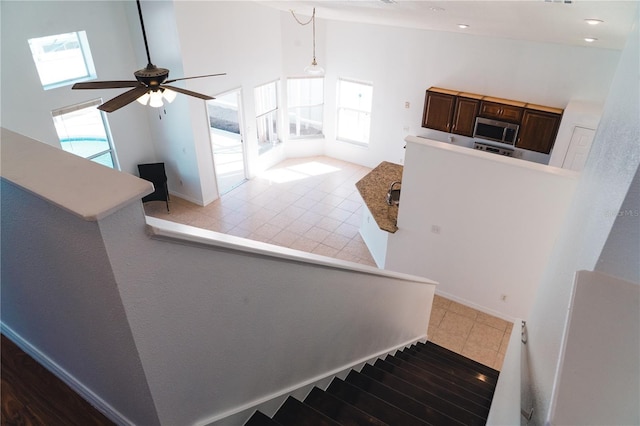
<point>188,198</point>
<point>62,374</point>
<point>284,392</point>
<point>506,402</point>
<point>477,307</point>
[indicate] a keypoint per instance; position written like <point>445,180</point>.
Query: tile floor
<point>312,204</point>
<point>469,332</point>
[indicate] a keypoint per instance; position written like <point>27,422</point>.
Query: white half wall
<point>497,220</point>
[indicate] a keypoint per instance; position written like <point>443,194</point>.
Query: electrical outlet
<point>435,229</point>
<point>503,297</point>
<point>407,105</point>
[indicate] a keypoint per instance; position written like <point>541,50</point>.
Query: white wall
<point>603,185</point>
<point>26,107</point>
<point>498,220</point>
<point>59,295</point>
<point>403,63</point>
<point>590,368</point>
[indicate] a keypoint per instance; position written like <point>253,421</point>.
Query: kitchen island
<point>379,219</point>
<point>374,187</point>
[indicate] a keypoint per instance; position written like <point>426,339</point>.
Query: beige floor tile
<point>504,343</point>
<point>480,354</point>
<point>456,324</point>
<point>317,234</point>
<point>336,241</point>
<point>497,365</point>
<point>285,238</point>
<point>267,230</point>
<point>323,250</point>
<point>347,230</point>
<point>485,336</point>
<point>492,321</point>
<point>441,302</point>
<point>304,244</point>
<point>436,316</point>
<point>463,310</point>
<point>447,340</point>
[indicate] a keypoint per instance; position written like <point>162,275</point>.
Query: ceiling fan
<point>150,86</point>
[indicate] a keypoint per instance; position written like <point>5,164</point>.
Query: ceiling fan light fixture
<point>169,95</point>
<point>144,99</point>
<point>155,99</point>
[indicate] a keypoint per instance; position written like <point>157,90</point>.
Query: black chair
<point>154,173</point>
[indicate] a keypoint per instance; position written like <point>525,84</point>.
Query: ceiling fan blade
<point>198,76</point>
<point>116,84</point>
<point>124,99</point>
<point>188,92</point>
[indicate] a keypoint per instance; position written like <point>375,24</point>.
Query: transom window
<point>266,97</point>
<point>305,104</point>
<point>62,59</point>
<point>82,130</point>
<point>354,111</point>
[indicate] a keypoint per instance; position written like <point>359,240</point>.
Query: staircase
<point>425,384</point>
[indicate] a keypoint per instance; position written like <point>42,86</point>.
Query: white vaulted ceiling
<point>557,21</point>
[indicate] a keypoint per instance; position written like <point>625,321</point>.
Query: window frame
<point>264,147</point>
<point>94,103</point>
<point>85,50</point>
<point>303,105</point>
<point>359,111</point>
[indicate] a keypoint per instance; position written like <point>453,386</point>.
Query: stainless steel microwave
<point>497,131</point>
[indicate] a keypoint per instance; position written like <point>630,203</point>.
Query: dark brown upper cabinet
<point>501,109</point>
<point>438,109</point>
<point>538,129</point>
<point>465,113</point>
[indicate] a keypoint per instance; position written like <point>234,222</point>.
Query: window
<point>305,102</point>
<point>267,116</point>
<point>82,130</point>
<point>62,59</point>
<point>354,111</point>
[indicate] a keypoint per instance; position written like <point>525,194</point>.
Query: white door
<point>225,129</point>
<point>579,147</point>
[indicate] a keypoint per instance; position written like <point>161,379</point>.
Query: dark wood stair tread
<point>432,347</point>
<point>296,413</point>
<point>339,410</point>
<point>432,397</point>
<point>382,410</point>
<point>260,419</point>
<point>459,396</point>
<point>461,376</point>
<point>432,356</point>
<point>412,406</point>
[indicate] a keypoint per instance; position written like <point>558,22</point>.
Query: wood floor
<point>31,395</point>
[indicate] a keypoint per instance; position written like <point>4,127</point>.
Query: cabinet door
<point>498,111</point>
<point>538,131</point>
<point>464,117</point>
<point>438,111</point>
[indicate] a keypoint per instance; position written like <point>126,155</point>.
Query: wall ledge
<point>164,229</point>
<point>81,187</point>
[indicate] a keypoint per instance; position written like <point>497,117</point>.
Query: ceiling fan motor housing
<point>152,76</point>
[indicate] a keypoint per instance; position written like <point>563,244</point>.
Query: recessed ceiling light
<point>463,26</point>
<point>436,9</point>
<point>593,21</point>
<point>590,39</point>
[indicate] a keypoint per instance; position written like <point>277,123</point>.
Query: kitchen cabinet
<point>538,129</point>
<point>464,116</point>
<point>498,109</point>
<point>438,109</point>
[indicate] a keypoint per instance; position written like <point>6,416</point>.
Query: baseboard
<point>476,306</point>
<point>186,198</point>
<point>86,393</point>
<point>269,403</point>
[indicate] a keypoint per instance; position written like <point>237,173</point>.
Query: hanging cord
<point>311,20</point>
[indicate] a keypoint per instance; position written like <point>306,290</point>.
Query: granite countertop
<point>374,187</point>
